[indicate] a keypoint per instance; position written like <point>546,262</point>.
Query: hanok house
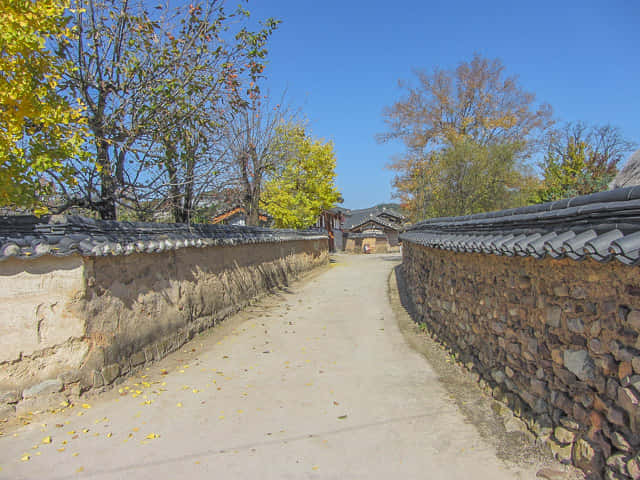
<point>331,221</point>
<point>372,230</point>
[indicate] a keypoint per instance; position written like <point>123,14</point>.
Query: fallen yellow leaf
<point>46,440</point>
<point>109,435</point>
<point>61,449</point>
<point>86,405</point>
<point>151,436</point>
<point>179,404</point>
<point>80,469</point>
<point>76,454</point>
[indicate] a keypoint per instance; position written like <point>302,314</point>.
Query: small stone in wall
<point>595,345</point>
<point>580,364</point>
<point>498,376</point>
<point>539,387</point>
<point>586,457</point>
<point>634,381</point>
<point>6,411</point>
<point>553,313</point>
<point>561,452</point>
<point>43,388</point>
<point>561,291</point>
<point>616,417</point>
<point>607,365</point>
<point>138,359</point>
<point>578,292</point>
<point>596,420</point>
<point>621,443</point>
<point>575,325</point>
<point>10,396</point>
<point>618,463</point>
<point>633,467</point>
<point>564,435</point>
<point>624,370</point>
<point>633,319</point>
<point>110,372</point>
<point>627,399</point>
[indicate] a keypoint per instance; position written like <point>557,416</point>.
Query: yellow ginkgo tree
<point>301,185</point>
<point>39,129</point>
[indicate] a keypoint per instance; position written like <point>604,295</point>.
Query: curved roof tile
<point>602,226</point>
<point>31,237</point>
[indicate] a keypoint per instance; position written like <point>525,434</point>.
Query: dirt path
<point>318,382</point>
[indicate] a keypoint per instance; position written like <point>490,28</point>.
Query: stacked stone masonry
<point>557,340</point>
<point>74,322</point>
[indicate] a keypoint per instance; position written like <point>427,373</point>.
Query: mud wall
<point>73,323</point>
<point>556,340</point>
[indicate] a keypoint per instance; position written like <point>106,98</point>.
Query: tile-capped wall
<point>75,322</point>
<point>557,340</point>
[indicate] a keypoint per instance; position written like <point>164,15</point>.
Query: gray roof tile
<point>31,237</point>
<point>602,226</point>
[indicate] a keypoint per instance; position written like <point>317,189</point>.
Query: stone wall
<point>71,323</point>
<point>557,340</point>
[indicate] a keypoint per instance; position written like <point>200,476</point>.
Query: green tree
<point>580,160</point>
<point>302,185</point>
<point>39,130</point>
<point>475,109</point>
<point>468,178</point>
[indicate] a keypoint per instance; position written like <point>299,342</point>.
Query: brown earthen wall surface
<point>86,321</point>
<point>557,340</point>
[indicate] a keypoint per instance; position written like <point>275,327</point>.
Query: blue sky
<point>341,62</point>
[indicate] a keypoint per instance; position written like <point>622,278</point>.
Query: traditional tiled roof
<point>31,237</point>
<point>602,226</point>
<point>379,221</point>
<point>355,218</point>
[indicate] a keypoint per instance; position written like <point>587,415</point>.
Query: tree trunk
<point>175,196</point>
<point>187,203</point>
<point>106,207</point>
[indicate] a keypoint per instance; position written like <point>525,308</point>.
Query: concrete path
<point>318,382</point>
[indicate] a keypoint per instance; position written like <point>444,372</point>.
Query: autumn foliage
<point>301,185</point>
<point>39,129</point>
<point>458,127</point>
